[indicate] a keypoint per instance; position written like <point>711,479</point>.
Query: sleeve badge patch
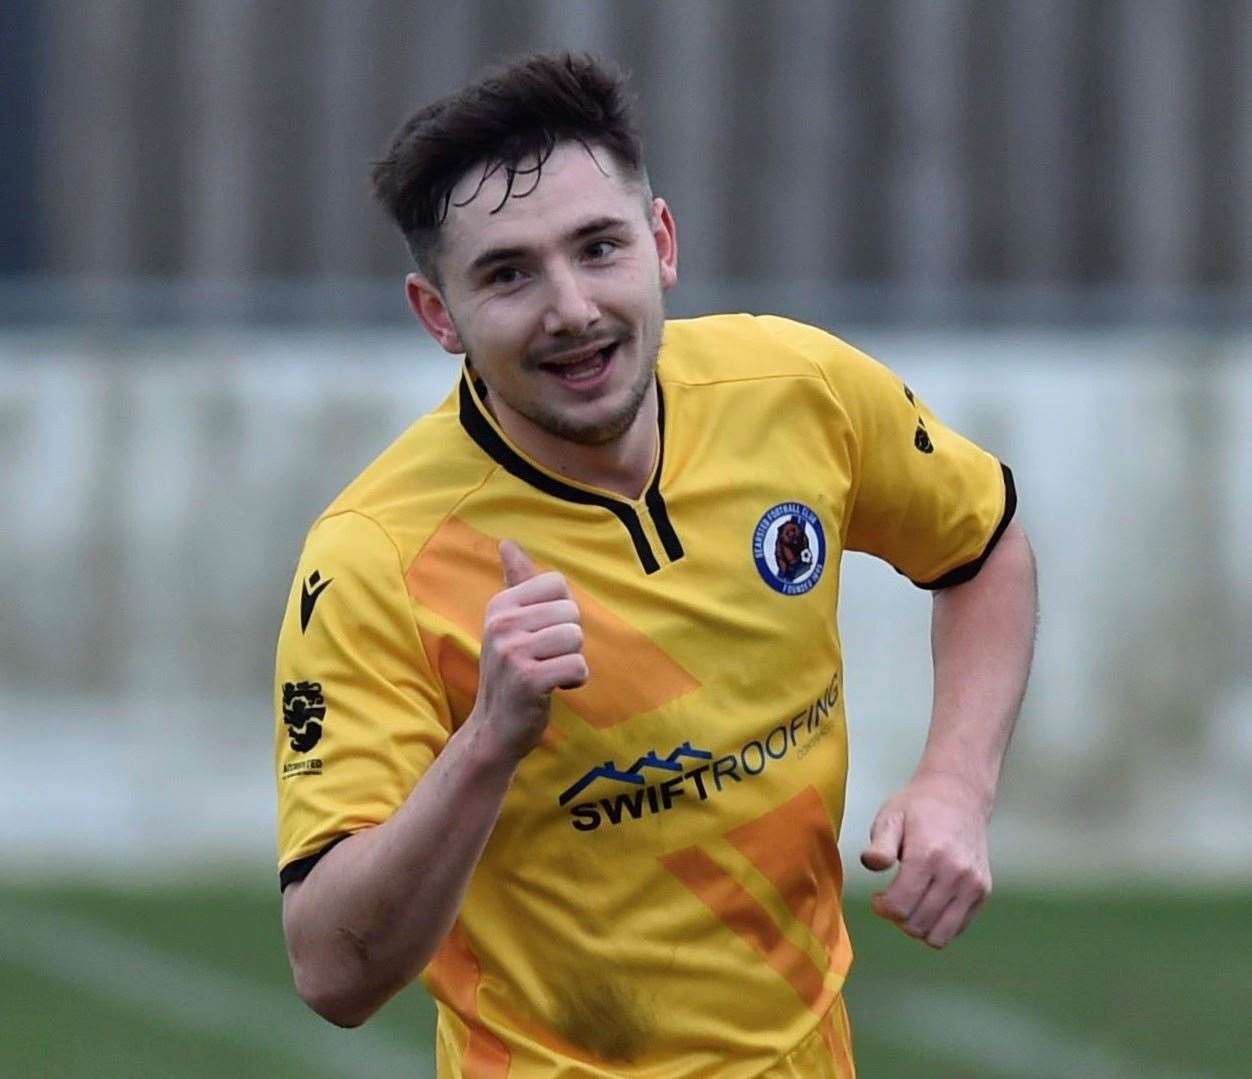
<point>304,710</point>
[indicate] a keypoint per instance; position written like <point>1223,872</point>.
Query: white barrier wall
<point>156,489</point>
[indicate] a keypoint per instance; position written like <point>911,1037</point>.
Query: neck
<point>623,465</point>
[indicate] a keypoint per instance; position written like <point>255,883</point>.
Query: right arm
<point>370,915</point>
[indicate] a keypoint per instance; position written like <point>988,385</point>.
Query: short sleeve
<point>359,714</point>
<point>925,499</point>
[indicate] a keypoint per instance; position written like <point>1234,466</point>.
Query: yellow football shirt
<point>662,894</point>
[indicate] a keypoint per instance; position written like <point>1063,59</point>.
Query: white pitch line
<point>1000,1037</point>
<point>178,990</point>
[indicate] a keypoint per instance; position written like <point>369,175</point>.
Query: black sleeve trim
<point>302,867</point>
<point>970,570</point>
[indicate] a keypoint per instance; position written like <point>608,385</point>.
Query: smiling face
<point>556,298</point>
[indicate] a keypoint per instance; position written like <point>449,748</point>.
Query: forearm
<point>982,639</point>
<point>369,917</point>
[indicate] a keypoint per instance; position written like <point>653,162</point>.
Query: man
<point>559,684</point>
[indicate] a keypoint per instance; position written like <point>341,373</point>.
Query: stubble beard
<point>611,427</point>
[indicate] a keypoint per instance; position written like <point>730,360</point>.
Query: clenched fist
<point>532,644</point>
<point>937,833</point>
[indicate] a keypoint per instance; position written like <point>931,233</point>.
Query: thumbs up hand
<point>517,564</point>
<point>532,644</point>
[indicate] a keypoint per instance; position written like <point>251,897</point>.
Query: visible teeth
<point>582,369</point>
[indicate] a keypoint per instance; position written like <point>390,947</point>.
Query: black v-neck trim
<point>489,440</point>
<point>652,499</point>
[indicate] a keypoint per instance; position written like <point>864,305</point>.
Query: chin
<point>598,422</point>
<point>591,432</point>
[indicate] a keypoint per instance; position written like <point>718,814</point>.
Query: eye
<point>600,249</point>
<point>504,275</point>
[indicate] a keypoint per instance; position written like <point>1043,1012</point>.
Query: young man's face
<point>555,296</point>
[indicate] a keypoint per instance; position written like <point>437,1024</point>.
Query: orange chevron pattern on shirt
<point>454,975</point>
<point>459,674</point>
<point>457,573</point>
<point>742,913</point>
<point>457,671</point>
<point>794,848</point>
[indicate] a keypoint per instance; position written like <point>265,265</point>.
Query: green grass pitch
<point>192,981</point>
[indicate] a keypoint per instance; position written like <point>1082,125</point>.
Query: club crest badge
<point>789,548</point>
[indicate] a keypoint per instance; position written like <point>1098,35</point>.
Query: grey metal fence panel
<point>912,142</point>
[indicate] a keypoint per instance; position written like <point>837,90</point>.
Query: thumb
<point>517,564</point>
<point>884,841</point>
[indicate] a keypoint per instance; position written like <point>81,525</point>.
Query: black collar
<point>491,442</point>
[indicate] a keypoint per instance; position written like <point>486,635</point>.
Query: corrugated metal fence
<point>1038,144</point>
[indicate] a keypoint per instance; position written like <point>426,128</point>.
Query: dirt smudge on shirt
<point>606,1019</point>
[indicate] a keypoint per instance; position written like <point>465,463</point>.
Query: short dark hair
<point>510,116</point>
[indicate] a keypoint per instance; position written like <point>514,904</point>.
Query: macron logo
<point>634,773</point>
<point>311,589</point>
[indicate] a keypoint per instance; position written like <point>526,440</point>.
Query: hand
<point>532,644</point>
<point>937,830</point>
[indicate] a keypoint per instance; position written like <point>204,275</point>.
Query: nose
<point>570,310</point>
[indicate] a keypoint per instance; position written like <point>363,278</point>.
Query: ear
<point>431,311</point>
<point>665,235</point>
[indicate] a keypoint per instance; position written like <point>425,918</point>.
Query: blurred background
<point>1037,211</point>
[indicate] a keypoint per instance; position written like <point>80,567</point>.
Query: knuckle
<point>947,863</point>
<point>507,645</point>
<point>501,620</point>
<point>501,601</point>
<point>532,676</point>
<point>927,855</point>
<point>514,652</point>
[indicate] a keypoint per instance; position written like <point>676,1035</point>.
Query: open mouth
<point>584,370</point>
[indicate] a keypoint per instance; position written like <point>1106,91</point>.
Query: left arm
<point>982,640</point>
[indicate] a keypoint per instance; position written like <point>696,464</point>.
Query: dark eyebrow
<point>600,224</point>
<point>494,255</point>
